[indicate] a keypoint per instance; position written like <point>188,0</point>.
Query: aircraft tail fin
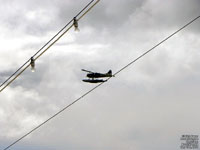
<point>110,73</point>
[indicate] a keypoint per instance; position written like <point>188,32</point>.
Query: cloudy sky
<point>150,105</point>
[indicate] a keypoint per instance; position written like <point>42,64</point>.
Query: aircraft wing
<point>86,71</point>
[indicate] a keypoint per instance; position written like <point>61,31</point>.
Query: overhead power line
<point>78,99</point>
<point>21,69</point>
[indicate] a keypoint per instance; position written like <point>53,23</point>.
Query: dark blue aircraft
<point>93,76</point>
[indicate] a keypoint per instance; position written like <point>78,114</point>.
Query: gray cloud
<point>149,105</point>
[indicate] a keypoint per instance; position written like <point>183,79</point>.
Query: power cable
<point>46,45</point>
<point>157,45</point>
<point>129,64</point>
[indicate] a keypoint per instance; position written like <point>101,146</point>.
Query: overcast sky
<point>150,105</point>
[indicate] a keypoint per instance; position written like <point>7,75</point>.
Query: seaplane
<point>93,76</point>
